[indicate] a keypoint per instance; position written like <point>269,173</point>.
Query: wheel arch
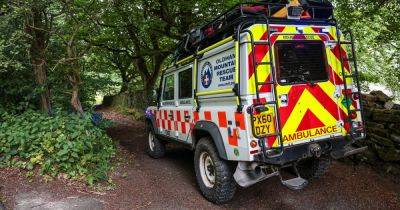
<point>150,121</point>
<point>209,129</point>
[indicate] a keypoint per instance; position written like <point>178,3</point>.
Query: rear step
<point>296,183</point>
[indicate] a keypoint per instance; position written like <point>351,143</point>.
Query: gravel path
<point>169,183</point>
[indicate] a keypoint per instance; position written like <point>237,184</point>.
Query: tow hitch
<point>316,150</point>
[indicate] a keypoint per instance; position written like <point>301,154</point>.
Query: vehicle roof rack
<point>223,26</point>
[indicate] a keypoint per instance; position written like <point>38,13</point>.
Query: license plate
<point>264,123</point>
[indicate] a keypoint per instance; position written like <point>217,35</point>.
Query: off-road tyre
<point>314,168</point>
<point>157,150</point>
<point>224,186</point>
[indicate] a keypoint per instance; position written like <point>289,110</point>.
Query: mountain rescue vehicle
<point>263,87</point>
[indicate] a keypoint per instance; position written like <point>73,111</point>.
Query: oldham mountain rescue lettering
<point>310,133</point>
<point>225,70</point>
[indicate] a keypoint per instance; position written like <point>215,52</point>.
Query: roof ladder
<point>352,75</point>
<point>271,152</point>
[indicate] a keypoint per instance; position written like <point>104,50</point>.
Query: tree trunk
<point>35,26</point>
<point>74,75</point>
<point>125,79</point>
<point>149,84</point>
<point>41,78</point>
<point>75,101</point>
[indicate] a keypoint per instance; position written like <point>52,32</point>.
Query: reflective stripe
<point>222,119</point>
<point>239,119</point>
<point>233,138</point>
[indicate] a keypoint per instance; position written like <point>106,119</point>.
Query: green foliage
<point>70,145</point>
<point>17,88</point>
<point>377,32</point>
<point>140,36</point>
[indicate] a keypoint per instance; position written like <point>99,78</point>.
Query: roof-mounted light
<point>294,12</point>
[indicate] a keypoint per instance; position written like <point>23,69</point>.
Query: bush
<point>63,144</point>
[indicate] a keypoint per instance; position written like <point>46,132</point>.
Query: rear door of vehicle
<point>306,91</point>
<point>184,109</point>
<point>166,117</point>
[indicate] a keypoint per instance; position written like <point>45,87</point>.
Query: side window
<point>169,88</point>
<point>185,84</point>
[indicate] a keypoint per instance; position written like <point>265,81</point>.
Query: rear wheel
<point>214,175</point>
<point>155,148</point>
<point>314,167</point>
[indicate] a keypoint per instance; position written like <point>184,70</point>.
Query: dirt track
<point>169,183</point>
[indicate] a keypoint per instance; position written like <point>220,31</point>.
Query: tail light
<point>253,144</point>
<point>253,152</point>
<point>358,126</point>
<point>347,91</point>
<point>356,96</point>
<point>353,115</point>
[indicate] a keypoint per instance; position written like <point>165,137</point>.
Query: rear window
<point>299,62</point>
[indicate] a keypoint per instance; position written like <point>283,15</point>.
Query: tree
<point>148,31</point>
<point>74,25</point>
<point>377,33</point>
<point>38,25</point>
<point>51,35</point>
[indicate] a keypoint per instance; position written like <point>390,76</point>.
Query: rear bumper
<point>303,151</point>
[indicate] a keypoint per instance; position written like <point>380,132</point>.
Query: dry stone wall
<point>382,118</point>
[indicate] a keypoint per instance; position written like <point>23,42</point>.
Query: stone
<point>368,98</point>
<point>392,168</point>
<point>374,125</point>
<point>389,105</point>
<point>395,128</point>
<point>370,157</point>
<point>381,115</point>
<point>380,96</point>
<point>368,113</point>
<point>381,140</point>
<point>35,200</point>
<point>382,132</point>
<point>389,154</point>
<point>395,138</point>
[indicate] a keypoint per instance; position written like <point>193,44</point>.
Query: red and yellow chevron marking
<point>313,111</point>
<point>261,54</point>
<point>310,109</point>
